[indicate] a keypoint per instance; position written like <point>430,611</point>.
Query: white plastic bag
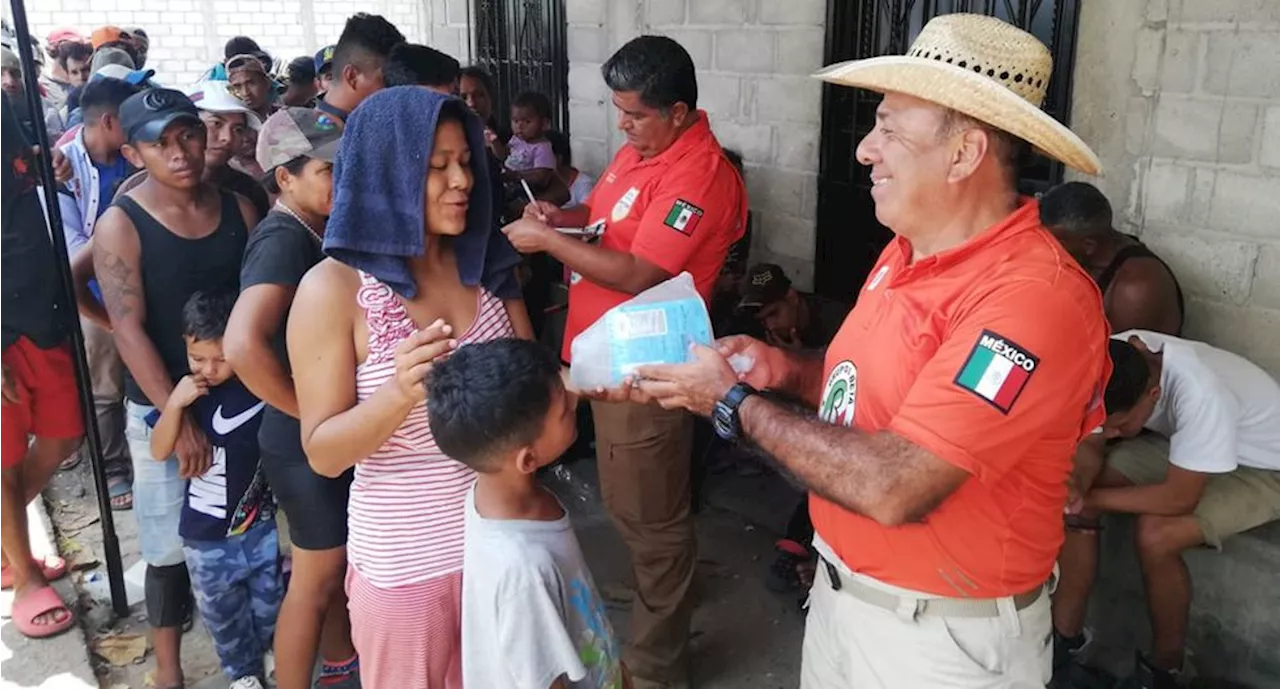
<point>654,327</point>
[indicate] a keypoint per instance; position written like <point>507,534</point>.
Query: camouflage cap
<point>294,132</point>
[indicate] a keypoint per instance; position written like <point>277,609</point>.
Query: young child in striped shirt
<point>501,408</point>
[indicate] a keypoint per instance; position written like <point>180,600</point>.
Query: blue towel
<point>379,175</point>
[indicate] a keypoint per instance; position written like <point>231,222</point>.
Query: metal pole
<point>30,79</point>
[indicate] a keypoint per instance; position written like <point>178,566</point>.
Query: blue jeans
<point>238,590</point>
<point>157,492</point>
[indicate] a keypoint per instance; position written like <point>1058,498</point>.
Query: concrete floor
<point>743,636</point>
<point>60,662</point>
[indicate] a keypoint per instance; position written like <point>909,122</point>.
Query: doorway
<point>849,239</point>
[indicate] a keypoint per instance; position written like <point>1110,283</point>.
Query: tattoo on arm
<point>119,283</point>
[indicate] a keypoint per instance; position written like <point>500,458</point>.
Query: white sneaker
<point>249,682</point>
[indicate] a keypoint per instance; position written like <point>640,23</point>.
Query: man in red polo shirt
<point>950,402</point>
<point>669,202</point>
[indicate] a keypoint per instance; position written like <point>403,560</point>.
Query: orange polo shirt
<point>679,210</point>
<point>993,357</point>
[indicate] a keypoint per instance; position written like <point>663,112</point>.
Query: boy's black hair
<point>656,67</point>
<point>411,64</point>
<point>302,70</point>
<point>1130,377</point>
<point>535,101</point>
<point>1076,207</point>
<point>365,43</point>
<point>72,50</point>
<point>560,147</point>
<point>104,95</point>
<point>490,398</point>
<point>205,315</point>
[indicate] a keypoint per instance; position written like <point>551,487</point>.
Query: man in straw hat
<point>950,403</point>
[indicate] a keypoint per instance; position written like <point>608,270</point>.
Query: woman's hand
<point>413,357</point>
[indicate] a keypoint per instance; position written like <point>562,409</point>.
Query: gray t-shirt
<point>527,591</point>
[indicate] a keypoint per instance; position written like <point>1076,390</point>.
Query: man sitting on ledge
<point>1209,469</point>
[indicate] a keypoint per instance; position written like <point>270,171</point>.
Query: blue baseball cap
<point>324,57</point>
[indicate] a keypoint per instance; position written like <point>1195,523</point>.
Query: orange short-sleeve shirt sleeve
<point>1000,376</point>
<point>700,203</point>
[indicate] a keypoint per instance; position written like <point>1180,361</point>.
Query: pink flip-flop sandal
<point>51,566</point>
<point>41,601</point>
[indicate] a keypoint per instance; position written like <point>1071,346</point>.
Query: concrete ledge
<point>1235,619</point>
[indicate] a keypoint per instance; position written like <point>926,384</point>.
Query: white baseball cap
<point>215,96</point>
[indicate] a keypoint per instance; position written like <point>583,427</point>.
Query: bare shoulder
<point>115,229</point>
<point>330,285</point>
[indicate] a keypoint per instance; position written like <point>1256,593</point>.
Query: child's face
<point>206,360</point>
<point>526,124</point>
<point>559,428</point>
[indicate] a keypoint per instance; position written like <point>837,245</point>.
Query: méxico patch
<point>997,370</point>
<point>683,217</point>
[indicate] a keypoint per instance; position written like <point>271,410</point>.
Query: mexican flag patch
<point>997,370</point>
<point>683,217</point>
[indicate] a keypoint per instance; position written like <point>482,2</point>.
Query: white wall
<point>187,36</point>
<point>1181,100</point>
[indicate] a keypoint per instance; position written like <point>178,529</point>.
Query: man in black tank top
<point>1139,290</point>
<point>169,237</point>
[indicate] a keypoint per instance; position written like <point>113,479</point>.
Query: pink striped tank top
<point>406,514</point>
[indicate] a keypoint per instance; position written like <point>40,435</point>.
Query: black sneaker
<point>1067,649</point>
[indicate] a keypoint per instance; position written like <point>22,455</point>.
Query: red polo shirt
<point>679,210</point>
<point>993,357</point>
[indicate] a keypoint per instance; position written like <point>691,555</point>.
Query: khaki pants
<point>852,643</point>
<point>644,454</point>
<point>106,372</point>
<point>1232,503</point>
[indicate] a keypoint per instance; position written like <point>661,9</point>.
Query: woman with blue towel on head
<point>415,270</point>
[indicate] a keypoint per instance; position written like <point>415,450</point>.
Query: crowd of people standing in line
<point>320,296</point>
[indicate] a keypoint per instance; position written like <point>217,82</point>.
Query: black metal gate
<point>849,237</point>
<point>522,44</point>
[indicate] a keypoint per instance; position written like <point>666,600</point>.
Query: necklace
<point>289,211</point>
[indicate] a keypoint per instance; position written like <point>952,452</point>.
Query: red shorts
<point>48,401</point>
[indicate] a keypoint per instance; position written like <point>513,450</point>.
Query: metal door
<point>521,43</point>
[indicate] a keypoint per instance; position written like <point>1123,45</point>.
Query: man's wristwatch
<point>724,418</point>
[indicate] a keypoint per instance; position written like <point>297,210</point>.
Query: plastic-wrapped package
<point>654,327</point>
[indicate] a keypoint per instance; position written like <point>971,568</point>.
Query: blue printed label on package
<point>657,333</point>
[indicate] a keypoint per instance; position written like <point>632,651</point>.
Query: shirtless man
<point>1139,290</point>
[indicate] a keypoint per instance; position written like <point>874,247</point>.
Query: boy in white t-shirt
<point>531,615</point>
<point>1208,468</point>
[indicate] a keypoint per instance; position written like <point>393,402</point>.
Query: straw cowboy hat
<point>980,66</point>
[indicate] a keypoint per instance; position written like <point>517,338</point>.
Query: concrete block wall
<point>753,59</point>
<point>1181,99</point>
<point>187,36</point>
